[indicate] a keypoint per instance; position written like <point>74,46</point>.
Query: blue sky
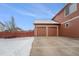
<point>26,13</point>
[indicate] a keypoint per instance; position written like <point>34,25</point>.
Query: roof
<point>45,22</point>
<point>61,10</point>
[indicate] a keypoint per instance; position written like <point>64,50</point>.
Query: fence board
<point>16,34</point>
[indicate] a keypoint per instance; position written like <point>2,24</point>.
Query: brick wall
<point>73,28</point>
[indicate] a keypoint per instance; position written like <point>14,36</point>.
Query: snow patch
<point>16,46</point>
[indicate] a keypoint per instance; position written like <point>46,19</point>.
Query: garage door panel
<point>41,31</point>
<point>52,31</point>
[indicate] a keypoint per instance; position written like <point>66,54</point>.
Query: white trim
<point>35,31</point>
<point>45,22</point>
<point>57,31</point>
<point>46,30</point>
<point>70,19</point>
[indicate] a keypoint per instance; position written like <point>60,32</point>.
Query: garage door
<point>41,31</point>
<point>52,31</point>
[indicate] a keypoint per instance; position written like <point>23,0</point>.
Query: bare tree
<point>10,25</point>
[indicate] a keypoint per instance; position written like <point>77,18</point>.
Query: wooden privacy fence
<point>16,34</point>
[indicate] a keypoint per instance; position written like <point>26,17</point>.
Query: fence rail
<point>16,34</point>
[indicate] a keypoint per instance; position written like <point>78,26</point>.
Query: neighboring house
<point>2,27</point>
<point>68,19</point>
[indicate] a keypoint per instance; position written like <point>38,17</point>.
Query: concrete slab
<point>55,46</point>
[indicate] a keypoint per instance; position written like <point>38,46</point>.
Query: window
<point>67,10</point>
<point>66,25</point>
<point>70,9</point>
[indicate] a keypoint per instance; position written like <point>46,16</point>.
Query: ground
<point>39,46</point>
<point>55,46</point>
<point>16,46</point>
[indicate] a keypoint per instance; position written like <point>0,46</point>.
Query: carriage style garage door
<point>52,31</point>
<point>46,31</point>
<point>41,31</point>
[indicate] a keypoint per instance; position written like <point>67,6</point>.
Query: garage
<point>52,31</point>
<point>46,28</point>
<point>41,31</point>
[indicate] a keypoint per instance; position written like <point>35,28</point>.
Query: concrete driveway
<point>55,46</point>
<point>16,46</point>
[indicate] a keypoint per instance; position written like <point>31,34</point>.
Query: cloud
<point>19,11</point>
<point>33,10</point>
<point>42,8</point>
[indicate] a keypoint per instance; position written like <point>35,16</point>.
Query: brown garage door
<point>52,31</point>
<point>41,31</point>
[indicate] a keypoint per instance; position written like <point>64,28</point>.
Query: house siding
<point>73,28</point>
